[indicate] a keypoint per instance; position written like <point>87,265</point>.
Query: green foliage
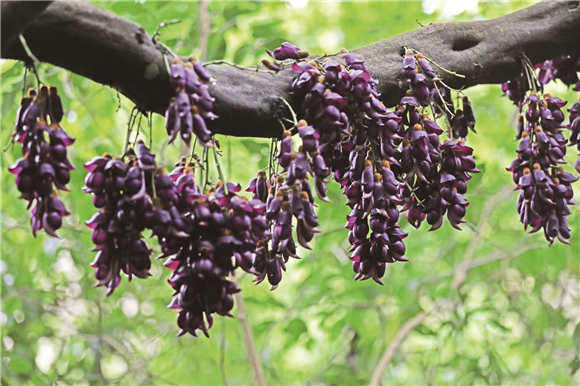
<point>514,320</point>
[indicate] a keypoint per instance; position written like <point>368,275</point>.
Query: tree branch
<point>16,15</point>
<point>249,341</point>
<point>409,326</point>
<point>108,49</point>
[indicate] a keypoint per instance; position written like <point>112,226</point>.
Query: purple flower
<point>287,51</point>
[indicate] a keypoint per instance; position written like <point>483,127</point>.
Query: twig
<point>27,49</point>
<point>150,121</point>
<point>138,129</point>
<point>294,119</point>
<point>193,149</point>
<point>443,100</point>
<point>228,63</point>
<point>163,25</point>
<point>219,169</point>
<point>451,88</point>
<point>202,166</point>
<point>132,118</point>
<point>205,161</point>
<point>442,68</point>
<point>409,326</point>
<point>249,341</point>
<point>24,81</point>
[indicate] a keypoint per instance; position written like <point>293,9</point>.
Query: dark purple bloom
<point>287,51</point>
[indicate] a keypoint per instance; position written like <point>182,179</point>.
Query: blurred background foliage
<point>513,321</point>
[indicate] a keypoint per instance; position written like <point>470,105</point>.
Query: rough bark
<point>108,49</point>
<point>16,15</point>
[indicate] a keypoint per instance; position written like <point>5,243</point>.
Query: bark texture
<point>108,49</point>
<point>15,16</point>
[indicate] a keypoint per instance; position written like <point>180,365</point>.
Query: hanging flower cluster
<point>385,160</point>
<point>206,237</point>
<point>564,68</point>
<point>289,196</point>
<point>545,190</point>
<point>574,127</point>
<point>124,211</point>
<point>45,163</point>
<point>192,104</point>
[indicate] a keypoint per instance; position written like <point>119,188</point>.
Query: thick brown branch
<point>16,15</point>
<point>114,51</point>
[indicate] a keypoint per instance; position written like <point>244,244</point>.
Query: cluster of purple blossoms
<point>565,68</point>
<point>214,234</point>
<point>383,159</point>
<point>434,174</point>
<point>45,162</point>
<point>374,201</point>
<point>457,164</point>
<point>516,90</point>
<point>420,75</point>
<point>289,196</point>
<point>204,236</point>
<point>545,190</point>
<point>574,127</point>
<point>192,104</point>
<point>124,212</point>
<point>354,134</point>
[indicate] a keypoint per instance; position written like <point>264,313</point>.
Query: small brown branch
<point>249,341</point>
<point>409,326</point>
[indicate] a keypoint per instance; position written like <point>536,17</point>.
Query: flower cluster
<point>289,196</point>
<point>385,160</point>
<point>516,89</point>
<point>124,212</point>
<point>545,190</point>
<point>565,68</point>
<point>211,236</point>
<point>419,74</point>
<point>574,127</point>
<point>45,163</point>
<point>192,104</point>
<point>461,119</point>
<point>434,173</point>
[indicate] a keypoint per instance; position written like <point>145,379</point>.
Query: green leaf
<point>20,365</point>
<point>296,328</point>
